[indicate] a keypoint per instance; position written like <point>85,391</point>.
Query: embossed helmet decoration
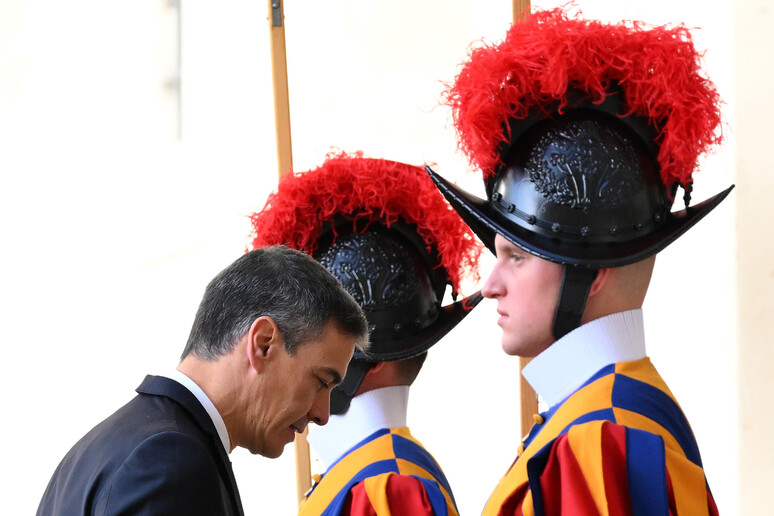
<point>583,132</point>
<point>385,232</point>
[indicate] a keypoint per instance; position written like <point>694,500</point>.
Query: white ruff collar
<point>561,369</point>
<point>368,412</point>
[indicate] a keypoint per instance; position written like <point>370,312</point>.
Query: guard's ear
<point>264,341</point>
<point>599,281</point>
<point>375,368</point>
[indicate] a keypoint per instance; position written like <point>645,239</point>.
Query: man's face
<point>526,289</point>
<point>295,390</point>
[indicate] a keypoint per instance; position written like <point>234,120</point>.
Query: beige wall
<point>754,40</point>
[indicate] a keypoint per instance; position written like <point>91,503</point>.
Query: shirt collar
<point>561,369</point>
<point>368,412</point>
<point>197,391</point>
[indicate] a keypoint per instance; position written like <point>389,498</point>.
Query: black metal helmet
<point>580,189</point>
<point>584,131</point>
<point>395,253</point>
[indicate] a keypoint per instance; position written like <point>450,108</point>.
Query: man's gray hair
<point>295,291</point>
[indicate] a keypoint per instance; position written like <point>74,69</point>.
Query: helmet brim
<point>487,221</point>
<point>385,348</point>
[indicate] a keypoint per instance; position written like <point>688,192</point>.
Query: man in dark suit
<point>273,335</point>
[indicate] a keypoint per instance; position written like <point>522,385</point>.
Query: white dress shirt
<point>197,391</point>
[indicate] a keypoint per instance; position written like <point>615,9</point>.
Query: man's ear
<point>263,342</point>
<point>599,281</point>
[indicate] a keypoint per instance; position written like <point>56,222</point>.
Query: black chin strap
<point>576,283</point>
<point>342,394</point>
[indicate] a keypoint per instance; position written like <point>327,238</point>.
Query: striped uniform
<point>389,472</point>
<point>618,445</point>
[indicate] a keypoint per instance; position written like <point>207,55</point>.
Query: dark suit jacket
<point>157,455</point>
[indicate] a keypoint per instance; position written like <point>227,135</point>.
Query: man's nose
<point>493,287</point>
<point>320,411</point>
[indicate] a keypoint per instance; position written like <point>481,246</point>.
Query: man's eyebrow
<point>336,377</point>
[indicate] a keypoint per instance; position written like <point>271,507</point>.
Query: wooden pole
<point>279,73</point>
<point>303,465</point>
<point>521,9</point>
<point>529,402</point>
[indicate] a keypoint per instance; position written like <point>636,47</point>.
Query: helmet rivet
<point>496,196</point>
<point>638,227</point>
<point>613,230</point>
<point>511,207</point>
<point>398,327</point>
<point>531,219</point>
<point>556,227</point>
<point>658,217</point>
<point>584,231</point>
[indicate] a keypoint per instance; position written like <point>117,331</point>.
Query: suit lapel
<point>161,386</point>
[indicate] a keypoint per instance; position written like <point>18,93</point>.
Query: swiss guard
<point>584,133</point>
<point>383,229</point>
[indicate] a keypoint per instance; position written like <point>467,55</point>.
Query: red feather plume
<point>542,57</point>
<point>357,188</point>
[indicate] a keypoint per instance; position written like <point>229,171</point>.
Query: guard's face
<point>526,289</point>
<point>295,390</point>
